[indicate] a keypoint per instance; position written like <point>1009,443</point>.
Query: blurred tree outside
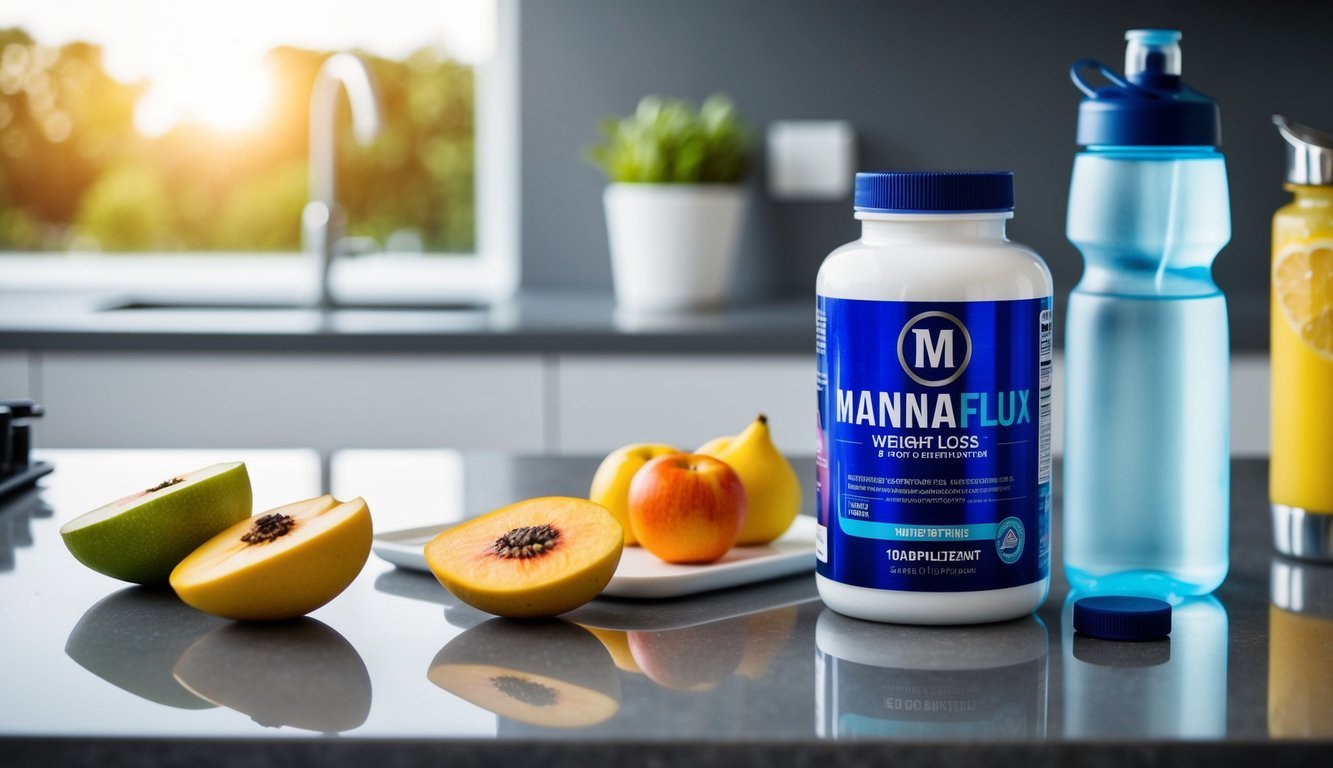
<point>76,174</point>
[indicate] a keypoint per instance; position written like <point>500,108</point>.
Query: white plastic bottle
<point>933,341</point>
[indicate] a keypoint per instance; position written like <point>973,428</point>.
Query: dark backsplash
<point>927,84</point>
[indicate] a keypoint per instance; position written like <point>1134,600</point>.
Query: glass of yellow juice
<point>1301,469</point>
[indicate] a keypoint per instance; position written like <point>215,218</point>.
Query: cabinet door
<point>608,401</point>
<point>15,380</point>
<point>173,400</point>
<point>1250,417</point>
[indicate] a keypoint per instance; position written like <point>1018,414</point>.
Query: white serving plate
<point>641,574</point>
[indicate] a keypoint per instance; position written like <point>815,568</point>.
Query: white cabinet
<point>527,403</point>
<point>175,400</point>
<point>15,375</point>
<point>1250,388</point>
<point>607,401</point>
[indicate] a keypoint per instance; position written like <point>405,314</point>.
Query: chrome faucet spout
<point>323,220</point>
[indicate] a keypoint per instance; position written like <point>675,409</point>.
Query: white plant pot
<point>673,246</point>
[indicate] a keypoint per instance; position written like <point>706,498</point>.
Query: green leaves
<point>666,141</point>
<point>105,185</point>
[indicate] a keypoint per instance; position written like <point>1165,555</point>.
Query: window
<point>161,146</point>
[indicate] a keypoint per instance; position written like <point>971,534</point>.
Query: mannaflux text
<point>902,410</point>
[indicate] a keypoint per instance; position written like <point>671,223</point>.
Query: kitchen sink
<point>138,305</point>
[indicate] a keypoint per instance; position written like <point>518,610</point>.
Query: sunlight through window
<point>145,126</point>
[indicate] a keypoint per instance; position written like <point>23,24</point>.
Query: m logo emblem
<point>938,347</point>
<point>944,348</point>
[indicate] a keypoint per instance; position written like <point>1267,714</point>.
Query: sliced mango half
<point>279,565</point>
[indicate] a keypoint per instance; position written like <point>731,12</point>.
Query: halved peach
<point>539,557</point>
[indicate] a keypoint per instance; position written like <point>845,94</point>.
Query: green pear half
<point>141,537</point>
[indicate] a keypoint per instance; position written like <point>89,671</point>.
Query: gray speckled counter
<point>98,673</point>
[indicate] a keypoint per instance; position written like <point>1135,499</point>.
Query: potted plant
<point>674,203</point>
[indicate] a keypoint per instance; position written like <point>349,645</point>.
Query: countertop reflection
<point>397,658</point>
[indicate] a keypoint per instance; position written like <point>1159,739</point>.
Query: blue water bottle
<point>1146,419</point>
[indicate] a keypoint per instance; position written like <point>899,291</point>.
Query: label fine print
<point>934,456</point>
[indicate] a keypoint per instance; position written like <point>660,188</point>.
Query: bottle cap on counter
<point>1118,617</point>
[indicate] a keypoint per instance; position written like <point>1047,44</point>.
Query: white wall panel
<point>267,401</point>
<point>608,401</point>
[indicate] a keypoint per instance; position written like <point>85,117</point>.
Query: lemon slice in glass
<point>1303,282</point>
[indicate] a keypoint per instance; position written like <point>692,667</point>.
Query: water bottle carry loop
<point>1111,75</point>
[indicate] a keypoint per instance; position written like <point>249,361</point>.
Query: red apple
<point>686,508</point>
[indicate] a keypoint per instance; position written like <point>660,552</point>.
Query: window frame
<point>490,273</point>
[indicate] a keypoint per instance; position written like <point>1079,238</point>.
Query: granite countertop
<point>539,322</point>
<point>98,672</point>
<point>532,322</point>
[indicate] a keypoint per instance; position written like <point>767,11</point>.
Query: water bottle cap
<point>934,192</point>
<point>1152,50</point>
<point>1148,105</point>
<point>1121,617</point>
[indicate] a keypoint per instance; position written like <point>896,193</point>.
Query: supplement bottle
<point>1300,485</point>
<point>933,344</point>
<point>1147,466</point>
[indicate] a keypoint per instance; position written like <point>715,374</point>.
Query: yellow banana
<point>772,489</point>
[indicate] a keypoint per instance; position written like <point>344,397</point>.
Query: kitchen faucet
<point>322,220</point>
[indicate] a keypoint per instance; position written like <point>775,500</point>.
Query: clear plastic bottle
<point>1146,483</point>
<point>933,341</point>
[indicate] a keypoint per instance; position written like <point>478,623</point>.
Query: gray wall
<point>927,83</point>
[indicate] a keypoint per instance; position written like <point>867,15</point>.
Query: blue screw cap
<point>1115,617</point>
<point>934,192</point>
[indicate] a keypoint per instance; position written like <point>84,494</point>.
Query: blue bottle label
<point>934,459</point>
